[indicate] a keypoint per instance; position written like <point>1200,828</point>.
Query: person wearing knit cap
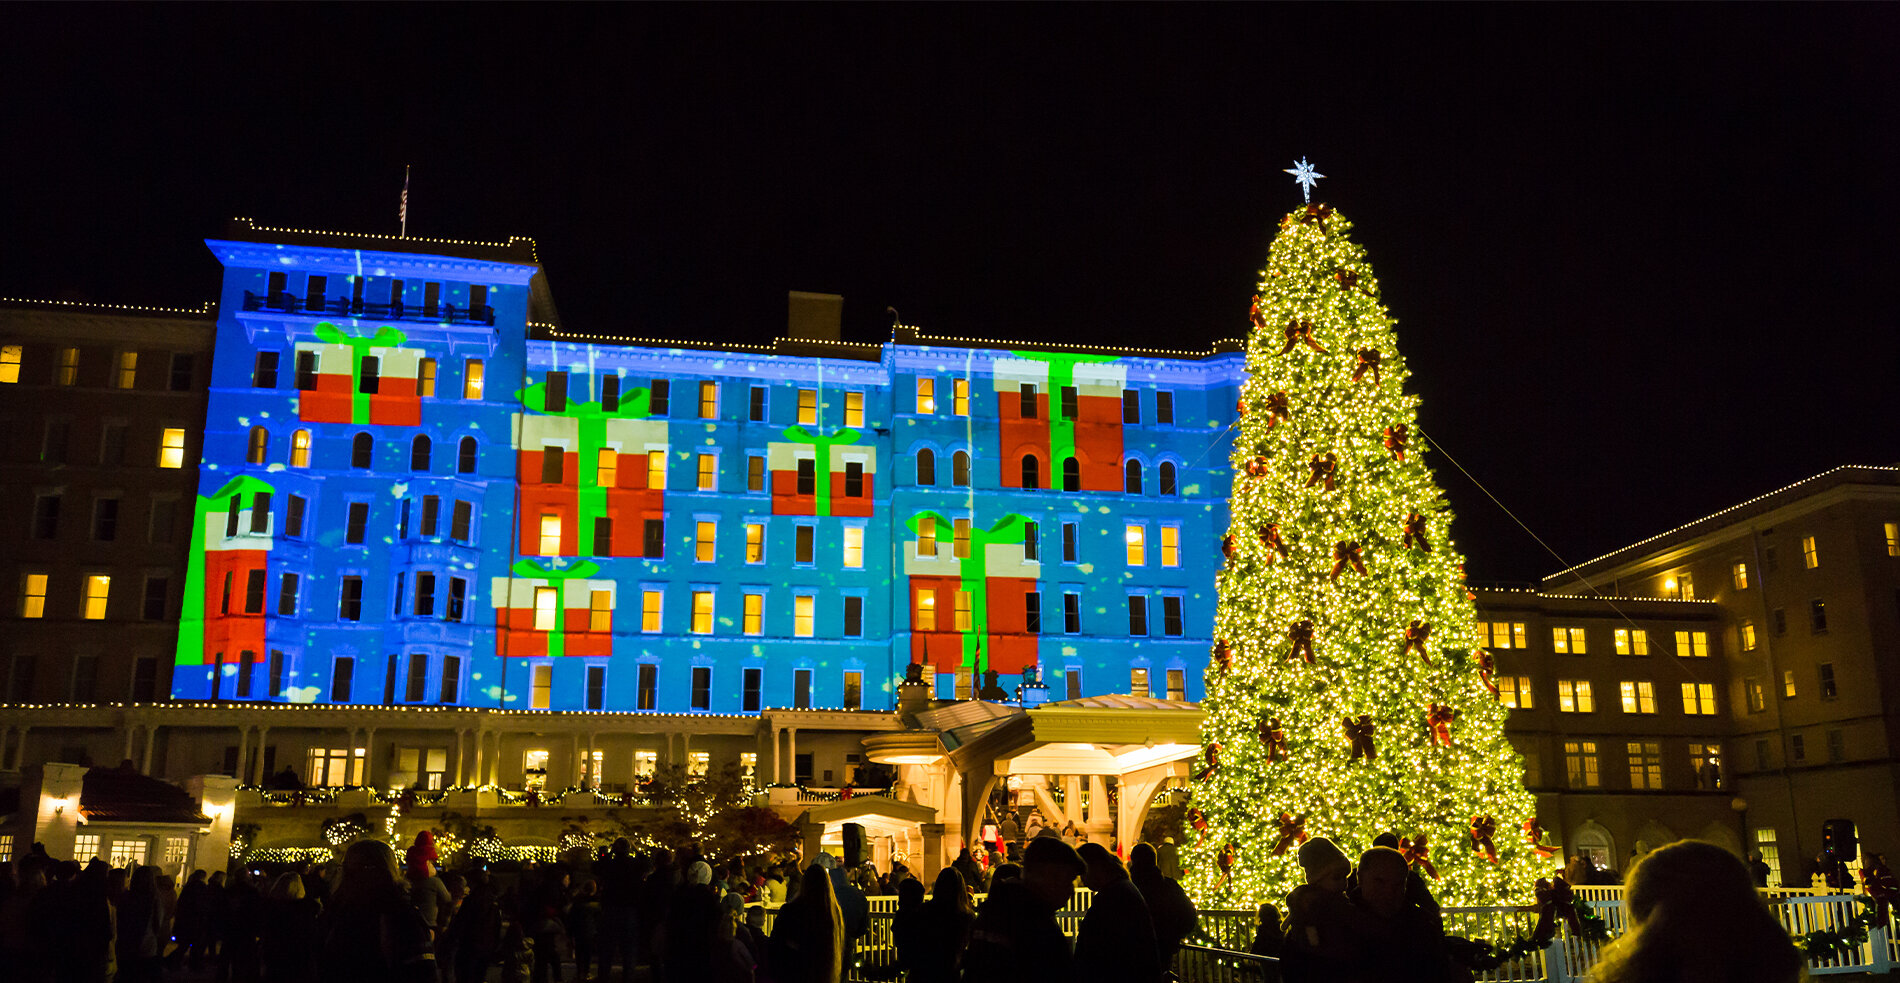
<point>1319,920</point>
<point>699,873</point>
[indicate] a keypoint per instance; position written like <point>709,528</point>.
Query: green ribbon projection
<point>557,578</point>
<point>1061,429</point>
<point>822,483</point>
<point>385,337</point>
<point>191,621</point>
<point>592,420</point>
<point>972,576</point>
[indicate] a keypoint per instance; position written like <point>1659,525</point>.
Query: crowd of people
<point>666,917</point>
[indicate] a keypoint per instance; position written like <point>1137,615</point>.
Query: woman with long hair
<point>943,930</point>
<point>370,932</point>
<point>807,944</point>
<point>290,931</point>
<point>1695,917</point>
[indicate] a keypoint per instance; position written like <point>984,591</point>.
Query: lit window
<point>703,541</point>
<point>1515,692</point>
<point>1685,586</point>
<point>645,764</point>
<point>98,586</point>
<point>962,610</point>
<point>1788,690</point>
<point>550,535</point>
<point>1692,644</point>
<point>472,379</point>
<point>10,364</point>
<point>1573,696</point>
<point>1809,554</point>
<point>960,543</point>
<point>33,596</point>
<point>698,763</point>
<point>1645,764</point>
<point>1757,699</point>
<point>1748,636</point>
<point>1177,684</point>
<point>650,610</point>
<point>171,448</point>
<point>960,397</point>
<point>1698,699</point>
<point>1893,538</point>
<point>1770,851</point>
<point>600,611</point>
<point>926,388</point>
<point>854,409</point>
<point>1738,575</point>
<point>808,407</point>
<point>540,689</point>
<point>755,542</point>
<point>1504,634</point>
<point>425,377</point>
<point>1632,641</point>
<point>1170,546</point>
<point>1137,681</point>
<point>926,536</point>
<point>86,846</point>
<point>853,546</point>
<point>300,449</point>
<point>128,370</point>
<point>803,607</point>
<point>68,373</point>
<point>926,615</point>
<point>656,469</point>
<point>708,472</point>
<point>1137,539</point>
<point>755,614</point>
<point>1638,697</point>
<point>1580,763</point>
<point>709,400</point>
<point>607,468</point>
<point>545,614</point>
<point>702,612</point>
<point>1568,640</point>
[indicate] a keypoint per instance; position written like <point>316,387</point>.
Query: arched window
<point>960,469</point>
<point>300,449</point>
<point>259,446</point>
<point>926,467</point>
<point>1131,477</point>
<point>419,453</point>
<point>465,458</point>
<point>359,451</point>
<point>1166,480</point>
<point>1032,471</point>
<point>1071,475</point>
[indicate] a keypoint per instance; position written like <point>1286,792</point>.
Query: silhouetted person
<point>1173,915</point>
<point>1116,941</point>
<point>695,945</point>
<point>289,942</point>
<point>141,929</point>
<point>1757,870</point>
<point>619,877</point>
<point>1267,935</point>
<point>1016,936</point>
<point>1695,917</point>
<point>808,937</point>
<point>371,933</point>
<point>1400,939</point>
<point>1320,922</point>
<point>944,924</point>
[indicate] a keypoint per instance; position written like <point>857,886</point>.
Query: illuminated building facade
<point>417,488</point>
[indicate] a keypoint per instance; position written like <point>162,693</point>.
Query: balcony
<point>284,302</point>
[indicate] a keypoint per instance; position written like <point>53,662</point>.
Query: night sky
<point>1642,256</point>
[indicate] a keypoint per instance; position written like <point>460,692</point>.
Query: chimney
<point>814,317</point>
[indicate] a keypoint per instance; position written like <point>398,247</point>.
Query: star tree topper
<point>1306,176</point>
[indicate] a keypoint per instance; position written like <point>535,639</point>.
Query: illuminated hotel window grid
<point>1580,764</point>
<point>1698,699</point>
<point>1738,575</point>
<point>1810,554</point>
<point>708,472</point>
<point>808,407</point>
<point>1515,692</point>
<point>926,394</point>
<point>1645,760</point>
<point>1632,641</point>
<point>1567,640</point>
<point>1692,644</point>
<point>1504,634</point>
<point>1573,696</point>
<point>1638,696</point>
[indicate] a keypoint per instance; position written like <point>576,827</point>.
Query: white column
<point>129,728</point>
<point>480,777</point>
<point>778,773</point>
<point>244,745</point>
<point>151,739</point>
<point>257,768</point>
<point>791,754</point>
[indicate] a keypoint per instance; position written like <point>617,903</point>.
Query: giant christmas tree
<point>1347,693</point>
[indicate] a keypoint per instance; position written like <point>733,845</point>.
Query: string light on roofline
<point>204,308</point>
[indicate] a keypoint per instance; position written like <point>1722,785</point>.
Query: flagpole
<point>402,210</point>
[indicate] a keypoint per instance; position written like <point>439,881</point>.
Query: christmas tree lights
<point>1347,694</point>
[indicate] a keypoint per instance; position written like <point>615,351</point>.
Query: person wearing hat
<point>1319,919</point>
<point>1016,936</point>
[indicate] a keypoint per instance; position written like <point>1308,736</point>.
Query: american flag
<point>402,210</point>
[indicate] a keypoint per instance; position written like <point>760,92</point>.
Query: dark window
<point>1072,613</point>
<point>596,687</point>
<point>604,536</point>
<point>307,371</point>
<point>358,522</point>
<point>460,519</point>
<point>853,617</point>
<point>46,517</point>
<point>653,539</point>
<point>389,680</point>
<point>1071,475</point>
<point>1817,616</point>
<point>112,445</point>
<point>157,596</point>
<point>245,669</point>
<point>254,591</point>
<point>801,698</point>
<point>293,516</point>
<point>1032,472</point>
<point>360,447</point>
<point>1131,477</point>
<point>144,680</point>
<point>659,398</point>
<point>85,678</point>
<point>419,453</point>
<point>757,411</point>
<point>59,438</point>
<point>164,517</point>
<point>1072,683</point>
<point>807,476</point>
<point>649,684</point>
<point>1032,612</point>
<point>1070,547</point>
<point>418,679</point>
<point>260,512</point>
<point>287,594</point>
<point>1032,540</point>
<point>313,292</point>
<point>451,679</point>
<point>276,674</point>
<point>425,595</point>
<point>458,599</point>
<point>465,457</point>
<point>1780,618</point>
<point>181,372</point>
<point>926,467</point>
<point>960,469</point>
<point>553,464</point>
<point>1070,403</point>
<point>1171,615</point>
<point>342,674</point>
<point>853,700</point>
<point>556,392</point>
<point>431,297</point>
<point>264,371</point>
<point>231,514</point>
<point>370,382</point>
<point>350,605</point>
<point>610,393</point>
<point>1164,407</point>
<point>802,544</point>
<point>402,520</point>
<point>21,688</point>
<point>749,699</point>
<point>801,763</point>
<point>105,519</point>
<point>1026,401</point>
<point>702,687</point>
<point>854,480</point>
<point>224,597</point>
<point>1137,615</point>
<point>401,593</point>
<point>1166,479</point>
<point>431,513</point>
<point>755,473</point>
<point>1828,689</point>
<point>1131,406</point>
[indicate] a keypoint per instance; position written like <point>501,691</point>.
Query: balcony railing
<point>284,302</point>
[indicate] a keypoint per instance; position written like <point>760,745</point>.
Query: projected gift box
<point>579,464</point>
<point>553,610</point>
<point>344,378</point>
<point>222,620</point>
<point>1055,407</point>
<point>821,474</point>
<point>970,594</point>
